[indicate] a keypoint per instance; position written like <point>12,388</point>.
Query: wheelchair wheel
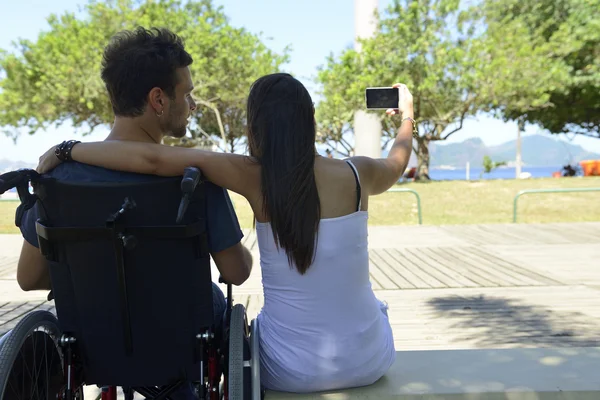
<point>30,361</point>
<point>257,393</point>
<point>3,339</point>
<point>238,376</point>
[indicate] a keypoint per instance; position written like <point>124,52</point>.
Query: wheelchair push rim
<point>238,381</point>
<point>31,365</point>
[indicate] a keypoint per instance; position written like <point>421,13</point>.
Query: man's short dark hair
<point>136,61</point>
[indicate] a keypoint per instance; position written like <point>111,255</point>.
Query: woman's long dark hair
<point>281,136</point>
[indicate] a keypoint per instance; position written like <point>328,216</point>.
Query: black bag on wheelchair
<point>132,286</point>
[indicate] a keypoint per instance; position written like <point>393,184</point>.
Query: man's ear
<point>156,100</point>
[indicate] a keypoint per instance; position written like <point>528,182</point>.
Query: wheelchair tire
<point>238,332</point>
<point>3,339</point>
<point>38,330</point>
<point>257,393</point>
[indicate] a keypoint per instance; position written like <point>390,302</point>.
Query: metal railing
<point>535,191</point>
<point>406,190</point>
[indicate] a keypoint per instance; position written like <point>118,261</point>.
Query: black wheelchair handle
<point>191,177</point>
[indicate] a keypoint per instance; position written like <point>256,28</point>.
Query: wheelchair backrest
<point>131,285</point>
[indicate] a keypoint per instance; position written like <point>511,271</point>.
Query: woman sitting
<point>321,327</point>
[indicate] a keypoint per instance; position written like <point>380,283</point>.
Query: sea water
<point>439,174</point>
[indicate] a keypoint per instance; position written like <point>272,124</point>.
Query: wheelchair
<point>132,287</point>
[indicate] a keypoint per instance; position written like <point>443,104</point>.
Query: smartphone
<point>382,98</point>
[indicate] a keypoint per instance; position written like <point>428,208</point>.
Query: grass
<point>451,202</point>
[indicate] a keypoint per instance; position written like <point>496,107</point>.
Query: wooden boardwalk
<point>472,286</point>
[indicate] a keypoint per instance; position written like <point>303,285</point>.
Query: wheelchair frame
<point>238,362</point>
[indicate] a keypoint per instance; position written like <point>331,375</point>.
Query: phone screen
<point>382,98</point>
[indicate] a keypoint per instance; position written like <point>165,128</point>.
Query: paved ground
<point>448,287</point>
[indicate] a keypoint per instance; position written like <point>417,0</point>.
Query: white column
<point>367,127</point>
<point>520,127</point>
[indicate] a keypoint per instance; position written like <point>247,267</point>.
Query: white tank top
<point>325,329</point>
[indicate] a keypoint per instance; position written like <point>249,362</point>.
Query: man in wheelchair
<point>147,77</point>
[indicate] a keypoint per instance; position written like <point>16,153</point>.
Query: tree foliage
<point>489,165</point>
<point>509,56</point>
<point>57,78</point>
<point>415,44</point>
<point>565,42</point>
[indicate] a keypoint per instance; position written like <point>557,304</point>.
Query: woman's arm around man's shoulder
<point>235,172</point>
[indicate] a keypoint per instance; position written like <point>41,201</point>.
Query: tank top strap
<point>358,190</point>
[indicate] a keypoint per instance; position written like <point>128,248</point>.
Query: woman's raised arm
<point>232,171</point>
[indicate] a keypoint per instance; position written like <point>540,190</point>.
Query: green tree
<point>57,78</point>
<point>489,165</point>
<point>416,45</point>
<point>453,63</point>
<point>564,36</point>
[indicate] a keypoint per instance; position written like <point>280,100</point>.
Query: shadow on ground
<point>499,322</point>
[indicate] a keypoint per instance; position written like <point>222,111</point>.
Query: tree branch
<point>460,125</point>
<point>437,111</point>
<point>218,115</point>
<point>209,137</point>
<point>346,145</point>
<point>346,153</point>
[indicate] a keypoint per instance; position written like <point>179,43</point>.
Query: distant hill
<point>536,150</point>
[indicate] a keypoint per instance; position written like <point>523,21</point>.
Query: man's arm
<point>234,264</point>
<point>233,260</point>
<point>32,270</point>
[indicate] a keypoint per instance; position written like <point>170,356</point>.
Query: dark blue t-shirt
<point>222,223</point>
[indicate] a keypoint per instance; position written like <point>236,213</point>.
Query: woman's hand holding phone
<point>405,102</point>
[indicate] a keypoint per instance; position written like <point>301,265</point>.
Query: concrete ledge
<point>507,374</point>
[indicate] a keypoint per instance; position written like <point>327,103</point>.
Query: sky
<point>313,28</point>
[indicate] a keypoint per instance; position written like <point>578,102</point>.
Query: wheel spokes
<point>37,371</point>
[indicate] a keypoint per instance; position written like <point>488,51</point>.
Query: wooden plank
<point>490,270</point>
<point>11,307</point>
<point>393,271</point>
<point>403,268</point>
<point>569,234</point>
<point>464,233</point>
<point>498,234</point>
<point>425,264</point>
<point>588,232</point>
<point>417,259</point>
<point>505,234</point>
<point>516,269</point>
<point>9,319</point>
<point>6,261</point>
<point>473,273</point>
<point>534,234</point>
<point>483,260</point>
<point>413,265</point>
<point>8,267</point>
<point>494,317</point>
<point>478,235</point>
<point>447,268</point>
<point>376,273</point>
<point>375,284</point>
